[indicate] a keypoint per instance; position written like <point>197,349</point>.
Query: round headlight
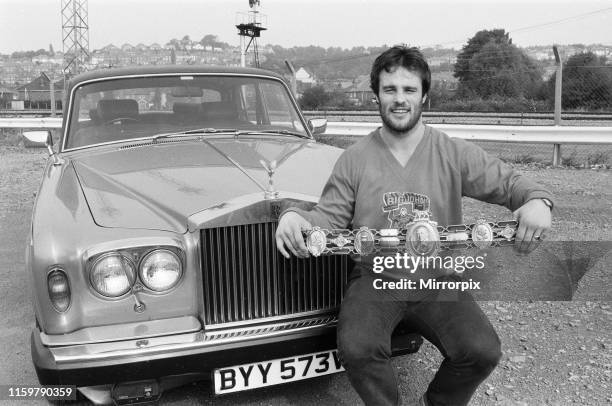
<point>160,270</point>
<point>112,275</point>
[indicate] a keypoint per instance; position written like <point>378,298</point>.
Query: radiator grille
<point>245,278</point>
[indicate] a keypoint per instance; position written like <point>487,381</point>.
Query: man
<point>403,166</point>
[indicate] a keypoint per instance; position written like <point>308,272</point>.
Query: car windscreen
<point>120,109</point>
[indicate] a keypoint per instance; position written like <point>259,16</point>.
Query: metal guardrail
<point>583,116</point>
<point>29,122</point>
<point>555,135</point>
<point>499,133</point>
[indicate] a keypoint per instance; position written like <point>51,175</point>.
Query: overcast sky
<point>34,24</point>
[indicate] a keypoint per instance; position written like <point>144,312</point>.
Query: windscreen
<point>121,109</point>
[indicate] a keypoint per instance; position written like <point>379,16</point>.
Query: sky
<point>34,24</point>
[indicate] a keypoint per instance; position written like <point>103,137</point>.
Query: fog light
<point>59,290</point>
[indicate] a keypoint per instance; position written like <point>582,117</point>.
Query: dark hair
<point>400,55</point>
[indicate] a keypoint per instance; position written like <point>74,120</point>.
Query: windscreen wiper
<point>206,130</point>
<point>284,132</point>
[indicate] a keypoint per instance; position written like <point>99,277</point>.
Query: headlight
<point>112,275</point>
<point>160,270</point>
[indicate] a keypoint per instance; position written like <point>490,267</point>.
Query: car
<point>152,252</point>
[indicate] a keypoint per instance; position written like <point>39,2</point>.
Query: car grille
<point>245,277</point>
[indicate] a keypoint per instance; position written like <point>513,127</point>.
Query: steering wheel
<point>121,119</point>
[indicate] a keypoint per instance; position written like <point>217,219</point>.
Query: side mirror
<point>40,139</point>
<point>37,139</point>
<point>317,125</point>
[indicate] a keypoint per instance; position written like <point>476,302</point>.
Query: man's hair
<point>400,55</point>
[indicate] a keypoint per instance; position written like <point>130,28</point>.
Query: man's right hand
<point>289,235</point>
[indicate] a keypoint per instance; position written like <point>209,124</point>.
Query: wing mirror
<point>40,139</point>
<point>317,125</point>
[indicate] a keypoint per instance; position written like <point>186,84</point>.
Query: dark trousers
<point>459,329</point>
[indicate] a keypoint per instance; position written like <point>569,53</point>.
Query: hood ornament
<point>270,167</point>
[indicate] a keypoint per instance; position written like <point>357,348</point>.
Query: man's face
<point>400,96</point>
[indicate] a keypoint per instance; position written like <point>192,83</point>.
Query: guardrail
<point>582,116</point>
<point>29,122</point>
<point>499,133</point>
<point>555,135</point>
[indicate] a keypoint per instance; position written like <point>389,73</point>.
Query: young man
<point>402,166</point>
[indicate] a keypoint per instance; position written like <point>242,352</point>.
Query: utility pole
<point>558,92</point>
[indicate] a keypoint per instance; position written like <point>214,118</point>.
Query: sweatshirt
<point>369,187</point>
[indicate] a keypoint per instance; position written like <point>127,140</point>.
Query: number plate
<point>274,372</point>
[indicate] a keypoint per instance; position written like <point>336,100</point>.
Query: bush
<point>572,160</point>
<point>598,158</point>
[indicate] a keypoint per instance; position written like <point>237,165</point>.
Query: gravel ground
<point>555,352</point>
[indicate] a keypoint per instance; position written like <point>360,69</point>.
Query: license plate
<point>274,372</point>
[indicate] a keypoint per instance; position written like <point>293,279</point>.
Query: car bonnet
<point>158,186</point>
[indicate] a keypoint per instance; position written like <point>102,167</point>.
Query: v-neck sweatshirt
<point>369,187</point>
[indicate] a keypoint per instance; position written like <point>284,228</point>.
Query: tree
<point>185,42</point>
<point>474,46</point>
<point>209,40</point>
<point>587,82</point>
<point>314,97</point>
<point>496,68</point>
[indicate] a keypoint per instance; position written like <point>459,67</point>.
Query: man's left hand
<point>534,219</point>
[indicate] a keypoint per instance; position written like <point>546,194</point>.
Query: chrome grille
<point>246,278</point>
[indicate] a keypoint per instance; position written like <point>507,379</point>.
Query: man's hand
<point>289,235</point>
<point>534,218</point>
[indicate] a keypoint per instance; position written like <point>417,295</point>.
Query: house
<point>37,93</point>
<point>302,75</point>
<point>7,96</point>
<point>360,92</point>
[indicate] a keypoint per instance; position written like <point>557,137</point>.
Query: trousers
<point>459,329</point>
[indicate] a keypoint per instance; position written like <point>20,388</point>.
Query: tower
<point>250,26</point>
<point>75,36</point>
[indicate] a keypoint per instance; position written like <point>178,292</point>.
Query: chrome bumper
<point>66,354</point>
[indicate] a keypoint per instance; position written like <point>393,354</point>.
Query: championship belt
<point>420,237</point>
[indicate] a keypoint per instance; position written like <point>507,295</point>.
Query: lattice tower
<point>75,36</point>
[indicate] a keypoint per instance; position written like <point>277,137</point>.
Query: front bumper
<point>189,356</point>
